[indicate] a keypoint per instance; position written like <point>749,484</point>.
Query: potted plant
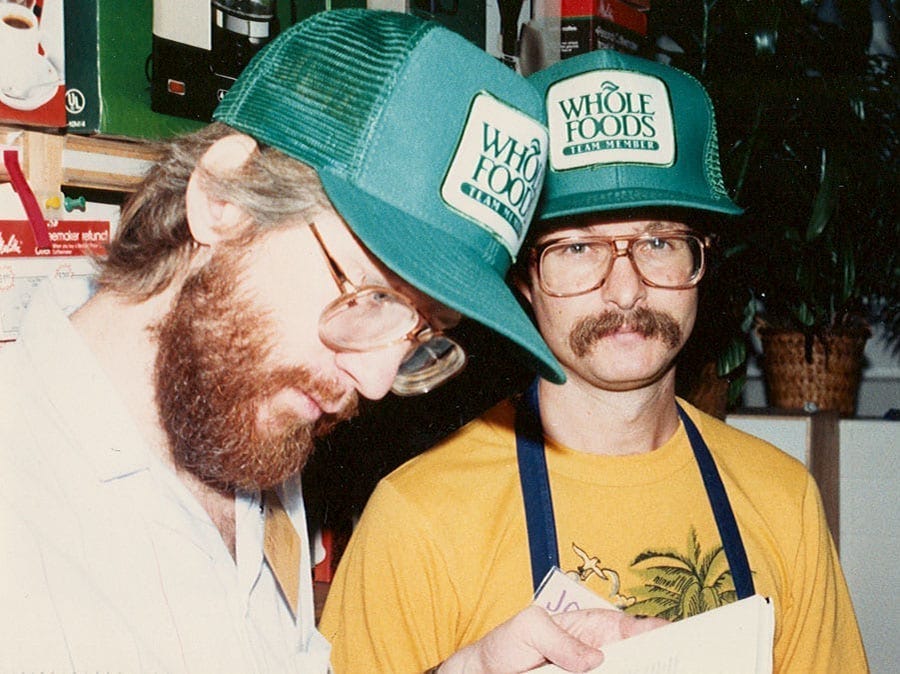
<point>809,146</point>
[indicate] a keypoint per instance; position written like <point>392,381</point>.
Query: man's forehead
<point>606,225</point>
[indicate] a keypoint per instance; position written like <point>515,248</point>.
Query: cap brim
<point>435,263</point>
<point>624,199</point>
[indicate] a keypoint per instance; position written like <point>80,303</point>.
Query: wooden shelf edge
<point>52,160</point>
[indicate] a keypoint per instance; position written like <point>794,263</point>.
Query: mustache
<point>649,323</point>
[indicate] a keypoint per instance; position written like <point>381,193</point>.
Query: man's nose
<point>373,372</point>
<point>623,285</point>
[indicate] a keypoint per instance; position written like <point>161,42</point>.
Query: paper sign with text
<point>67,238</point>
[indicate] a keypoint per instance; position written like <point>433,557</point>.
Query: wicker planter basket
<point>823,377</point>
<point>709,392</point>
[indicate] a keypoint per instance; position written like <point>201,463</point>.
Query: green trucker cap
<point>627,132</point>
<point>432,151</point>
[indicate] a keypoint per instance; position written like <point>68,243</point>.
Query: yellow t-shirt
<point>441,554</point>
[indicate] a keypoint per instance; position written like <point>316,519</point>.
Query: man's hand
<point>533,637</point>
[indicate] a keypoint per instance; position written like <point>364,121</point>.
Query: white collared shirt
<point>107,562</point>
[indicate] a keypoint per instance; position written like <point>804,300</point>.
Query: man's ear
<point>211,220</point>
<point>520,281</point>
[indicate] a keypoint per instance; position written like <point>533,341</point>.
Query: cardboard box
<point>619,25</point>
<point>576,27</point>
<point>32,63</point>
<point>586,25</point>
<point>622,15</point>
<point>107,72</point>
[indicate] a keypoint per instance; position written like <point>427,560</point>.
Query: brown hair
<point>153,240</point>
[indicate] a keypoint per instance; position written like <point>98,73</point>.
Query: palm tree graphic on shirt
<point>678,585</point>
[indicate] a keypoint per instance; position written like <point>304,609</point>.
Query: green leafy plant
<point>809,145</point>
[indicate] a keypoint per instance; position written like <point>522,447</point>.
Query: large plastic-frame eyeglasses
<point>576,265</point>
<point>368,318</point>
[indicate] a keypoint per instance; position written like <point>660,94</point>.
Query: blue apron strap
<point>539,519</point>
<point>535,481</point>
<point>718,499</point>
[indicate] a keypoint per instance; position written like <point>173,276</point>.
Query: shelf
<point>51,160</point>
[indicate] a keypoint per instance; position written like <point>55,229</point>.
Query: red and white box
<point>32,63</point>
<point>586,25</point>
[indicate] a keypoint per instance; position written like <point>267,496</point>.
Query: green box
<point>108,45</point>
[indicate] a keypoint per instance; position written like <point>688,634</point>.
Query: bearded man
<point>308,248</point>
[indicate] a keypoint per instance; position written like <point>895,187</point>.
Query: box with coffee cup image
<point>32,63</point>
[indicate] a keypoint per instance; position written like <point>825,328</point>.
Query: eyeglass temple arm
<point>337,274</point>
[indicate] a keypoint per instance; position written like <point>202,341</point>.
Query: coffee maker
<point>200,47</point>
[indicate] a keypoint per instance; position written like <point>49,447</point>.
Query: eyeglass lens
<point>431,364</point>
<point>367,319</point>
<point>372,318</point>
<point>575,266</point>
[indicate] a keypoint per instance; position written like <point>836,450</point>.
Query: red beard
<point>210,384</point>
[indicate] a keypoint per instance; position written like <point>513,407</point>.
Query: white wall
<point>870,544</point>
<point>869,485</point>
